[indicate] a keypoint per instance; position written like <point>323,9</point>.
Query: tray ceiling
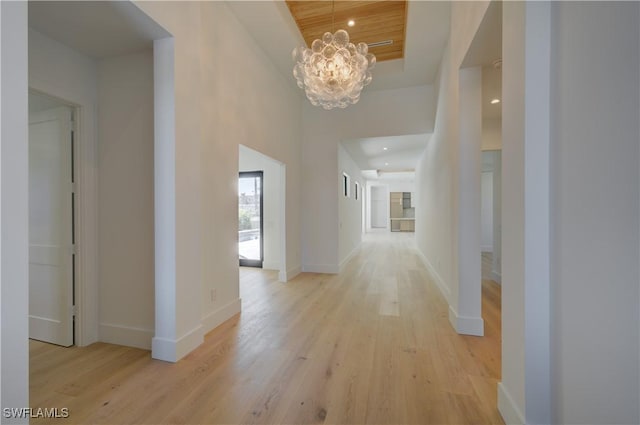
<point>375,22</point>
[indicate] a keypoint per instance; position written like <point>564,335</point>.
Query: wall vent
<point>380,43</point>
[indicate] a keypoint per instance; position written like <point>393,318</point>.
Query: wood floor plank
<point>372,344</point>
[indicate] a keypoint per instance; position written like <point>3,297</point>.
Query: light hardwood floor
<point>370,345</point>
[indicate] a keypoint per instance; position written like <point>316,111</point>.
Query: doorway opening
<point>479,180</point>
<point>52,216</point>
<point>250,219</point>
<point>378,207</point>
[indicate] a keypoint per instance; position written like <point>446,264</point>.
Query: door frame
<point>67,135</point>
<point>85,215</point>
<point>248,262</point>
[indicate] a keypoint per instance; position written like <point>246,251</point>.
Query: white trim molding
<point>349,257</point>
<point>270,265</point>
<point>507,407</point>
<point>435,276</point>
<point>289,274</point>
<point>215,318</point>
<point>85,158</point>
<point>126,335</point>
<point>172,350</point>
<point>466,325</point>
<point>321,268</point>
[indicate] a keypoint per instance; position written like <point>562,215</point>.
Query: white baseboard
<point>436,277</point>
<point>270,266</point>
<point>486,248</point>
<point>215,318</point>
<point>289,274</point>
<point>496,277</point>
<point>352,254</point>
<point>172,350</point>
<point>466,325</point>
<point>321,268</point>
<point>507,407</point>
<point>126,335</point>
<point>462,324</point>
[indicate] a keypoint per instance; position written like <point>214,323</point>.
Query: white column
<point>467,319</point>
<point>14,179</point>
<point>164,341</point>
<point>536,204</point>
<point>524,395</point>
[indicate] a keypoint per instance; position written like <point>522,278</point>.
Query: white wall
<point>126,206</point>
<point>433,184</point>
<point>250,160</point>
<point>594,210</point>
<point>437,172</point>
<point>486,213</point>
<point>379,113</point>
<point>491,133</point>
<point>496,266</point>
<point>220,104</point>
<point>14,355</point>
<point>350,209</point>
<point>400,185</point>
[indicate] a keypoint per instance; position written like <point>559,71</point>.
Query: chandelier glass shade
<point>333,71</point>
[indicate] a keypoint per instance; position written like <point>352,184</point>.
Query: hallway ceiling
<point>97,29</point>
<point>401,154</point>
<point>274,29</point>
<point>119,27</point>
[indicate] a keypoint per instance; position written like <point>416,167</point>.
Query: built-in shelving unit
<point>402,212</point>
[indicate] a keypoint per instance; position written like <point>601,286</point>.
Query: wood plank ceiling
<point>375,21</point>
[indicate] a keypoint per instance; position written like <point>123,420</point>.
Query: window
<point>357,191</point>
<point>346,185</point>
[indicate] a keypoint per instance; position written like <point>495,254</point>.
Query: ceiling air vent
<point>380,43</point>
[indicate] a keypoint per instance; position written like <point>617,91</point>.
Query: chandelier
<point>333,71</point>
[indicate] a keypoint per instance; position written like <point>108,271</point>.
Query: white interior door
<point>51,226</point>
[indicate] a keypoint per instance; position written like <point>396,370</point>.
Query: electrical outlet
<point>214,295</point>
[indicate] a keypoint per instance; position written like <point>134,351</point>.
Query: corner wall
<point>436,173</point>
<point>220,104</point>
<point>115,96</point>
<point>126,202</point>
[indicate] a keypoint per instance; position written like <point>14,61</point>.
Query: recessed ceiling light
<point>386,163</point>
<point>351,22</point>
<point>384,149</point>
<point>494,101</point>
